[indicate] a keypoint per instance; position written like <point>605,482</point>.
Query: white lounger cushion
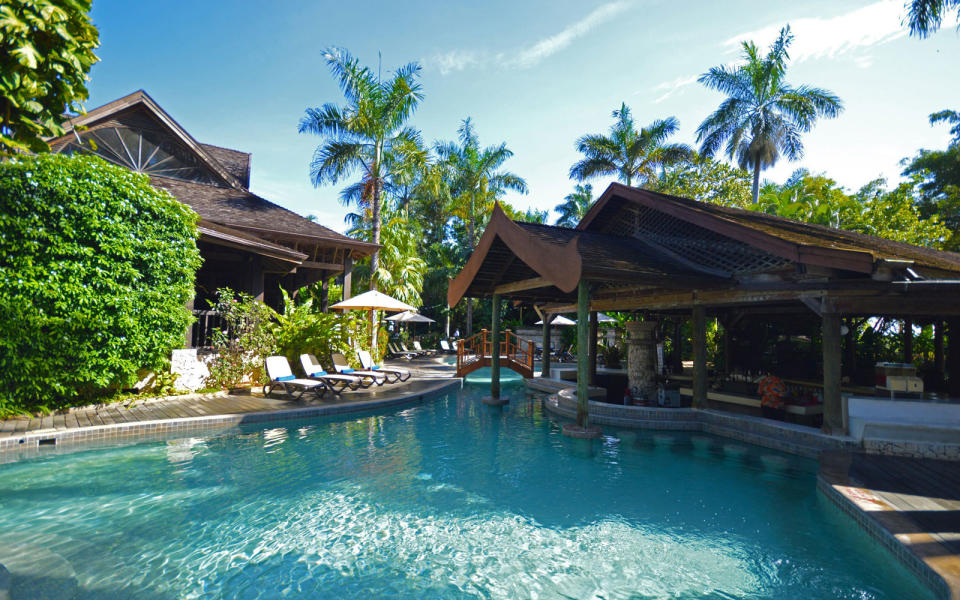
<point>278,370</point>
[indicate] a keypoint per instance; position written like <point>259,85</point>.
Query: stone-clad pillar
<point>642,359</point>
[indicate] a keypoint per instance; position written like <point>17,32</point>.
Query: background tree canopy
<point>98,266</point>
<point>46,51</point>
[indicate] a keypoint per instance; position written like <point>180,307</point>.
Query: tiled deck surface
<point>911,505</point>
<point>117,419</point>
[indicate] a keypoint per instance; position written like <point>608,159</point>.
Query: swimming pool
<point>445,499</point>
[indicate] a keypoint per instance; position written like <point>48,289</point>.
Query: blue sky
<point>534,74</point>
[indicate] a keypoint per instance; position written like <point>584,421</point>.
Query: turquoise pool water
<point>446,499</point>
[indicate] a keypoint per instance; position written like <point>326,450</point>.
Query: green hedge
<point>96,268</point>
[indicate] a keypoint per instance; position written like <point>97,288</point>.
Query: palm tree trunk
<point>756,182</point>
<point>470,233</point>
<point>375,258</point>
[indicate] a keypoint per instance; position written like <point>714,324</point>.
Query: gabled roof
<point>789,239</point>
<point>235,161</point>
<point>141,99</point>
<point>558,258</point>
<point>241,209</point>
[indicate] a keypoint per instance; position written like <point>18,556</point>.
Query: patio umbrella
<point>410,317</point>
<point>559,320</point>
<point>373,301</point>
<point>602,318</point>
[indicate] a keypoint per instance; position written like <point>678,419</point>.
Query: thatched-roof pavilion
<point>671,257</point>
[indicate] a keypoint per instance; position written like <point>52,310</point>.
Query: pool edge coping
<point>77,437</point>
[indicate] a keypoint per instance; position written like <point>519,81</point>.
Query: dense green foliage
<point>936,174</point>
<point>705,179</point>
<point>97,268</point>
<point>302,329</point>
<point>46,51</point>
<point>628,154</point>
<point>763,115</point>
<point>243,340</point>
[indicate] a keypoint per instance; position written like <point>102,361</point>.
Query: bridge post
<point>495,349</point>
<point>545,356</point>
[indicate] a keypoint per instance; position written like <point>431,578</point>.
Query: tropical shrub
<point>243,340</point>
<point>97,269</point>
<point>302,329</point>
<point>46,51</point>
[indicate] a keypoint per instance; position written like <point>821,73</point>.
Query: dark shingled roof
<point>234,161</point>
<point>789,230</point>
<point>241,208</point>
<point>609,254</point>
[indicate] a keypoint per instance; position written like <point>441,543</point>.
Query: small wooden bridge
<point>477,350</point>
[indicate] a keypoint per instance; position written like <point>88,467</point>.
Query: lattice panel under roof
<point>696,244</point>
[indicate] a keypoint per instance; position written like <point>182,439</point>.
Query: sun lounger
<point>335,383</point>
<point>366,361</point>
<point>445,346</point>
<point>281,377</point>
<point>394,351</point>
<point>418,348</point>
<point>414,352</point>
<point>343,367</point>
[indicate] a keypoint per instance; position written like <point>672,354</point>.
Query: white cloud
<point>529,56</point>
<point>815,37</point>
<point>874,24</point>
<point>670,88</point>
<point>455,60</point>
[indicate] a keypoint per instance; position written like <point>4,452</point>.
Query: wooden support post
<point>832,367</point>
<point>545,356</point>
<point>908,341</point>
<point>699,357</point>
<point>583,353</point>
<point>347,278</point>
<point>953,357</point>
<point>594,325</point>
<point>495,349</point>
<point>726,346</point>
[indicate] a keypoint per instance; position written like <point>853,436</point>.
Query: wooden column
<point>583,358</point>
<point>699,357</point>
<point>347,278</point>
<point>832,367</point>
<point>545,357</point>
<point>907,341</point>
<point>953,357</point>
<point>495,349</point>
<point>594,326</point>
<point>255,278</point>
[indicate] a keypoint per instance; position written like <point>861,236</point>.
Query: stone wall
<point>642,359</point>
<point>192,367</point>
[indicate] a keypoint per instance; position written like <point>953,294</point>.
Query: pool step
<point>767,441</point>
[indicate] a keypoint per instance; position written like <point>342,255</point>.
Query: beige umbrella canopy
<point>410,317</point>
<point>371,301</point>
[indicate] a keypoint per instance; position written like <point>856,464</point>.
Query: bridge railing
<point>479,347</point>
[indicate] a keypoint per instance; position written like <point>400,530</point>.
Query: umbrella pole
<point>373,335</point>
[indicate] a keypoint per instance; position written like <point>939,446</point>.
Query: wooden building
<point>247,242</point>
<point>677,259</point>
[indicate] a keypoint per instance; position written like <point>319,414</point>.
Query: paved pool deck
<point>910,505</point>
<point>25,436</point>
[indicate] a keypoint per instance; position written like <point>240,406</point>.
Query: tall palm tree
<point>627,153</point>
<point>478,181</point>
<point>575,205</point>
<point>763,116</point>
<point>926,16</point>
<point>368,134</point>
